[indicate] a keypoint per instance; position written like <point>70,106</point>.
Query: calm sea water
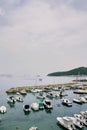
<point>15,118</point>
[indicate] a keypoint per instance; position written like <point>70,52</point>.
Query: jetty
<point>29,88</point>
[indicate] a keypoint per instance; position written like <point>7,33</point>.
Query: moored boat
<point>26,108</point>
<point>77,123</point>
<point>67,102</point>
<point>66,122</point>
<point>84,114</point>
<point>3,109</point>
<point>62,94</point>
<point>50,95</point>
<point>77,101</point>
<point>23,92</point>
<point>19,99</point>
<point>81,118</point>
<point>41,96</point>
<point>11,99</point>
<point>80,91</point>
<point>33,128</point>
<point>83,99</point>
<point>48,104</point>
<point>17,93</point>
<point>35,106</point>
<point>36,90</point>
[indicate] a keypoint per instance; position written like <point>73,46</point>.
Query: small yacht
<point>50,95</point>
<point>66,122</point>
<point>77,123</point>
<point>41,96</point>
<point>56,89</point>
<point>17,93</point>
<point>33,128</point>
<point>84,114</point>
<point>19,99</point>
<point>67,102</point>
<point>3,109</point>
<point>35,106</point>
<point>11,99</point>
<point>83,99</point>
<point>48,104</point>
<point>62,94</point>
<point>81,118</point>
<point>26,108</point>
<point>77,101</point>
<point>23,92</point>
<point>56,94</point>
<point>36,90</point>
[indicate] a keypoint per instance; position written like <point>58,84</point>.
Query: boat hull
<point>60,121</point>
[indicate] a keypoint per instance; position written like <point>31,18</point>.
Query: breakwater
<point>28,88</point>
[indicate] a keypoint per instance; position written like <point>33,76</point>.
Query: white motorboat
<point>77,101</point>
<point>23,92</point>
<point>17,93</point>
<point>36,90</point>
<point>35,106</point>
<point>81,118</point>
<point>62,94</point>
<point>77,123</point>
<point>50,95</point>
<point>67,102</point>
<point>56,94</point>
<point>3,109</point>
<point>56,89</point>
<point>84,114</point>
<point>48,104</point>
<point>33,128</point>
<point>11,99</point>
<point>83,99</point>
<point>26,108</point>
<point>41,96</point>
<point>66,122</point>
<point>19,99</point>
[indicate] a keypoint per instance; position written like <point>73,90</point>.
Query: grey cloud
<point>43,37</point>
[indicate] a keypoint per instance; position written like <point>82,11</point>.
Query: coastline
<point>28,88</point>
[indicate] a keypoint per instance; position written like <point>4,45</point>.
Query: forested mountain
<point>76,71</point>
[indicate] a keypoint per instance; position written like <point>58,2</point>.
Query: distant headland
<point>81,71</point>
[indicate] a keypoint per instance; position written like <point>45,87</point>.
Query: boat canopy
<point>26,106</point>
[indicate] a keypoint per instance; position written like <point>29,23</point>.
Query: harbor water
<point>15,118</point>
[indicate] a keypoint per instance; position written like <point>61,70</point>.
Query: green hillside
<point>76,71</point>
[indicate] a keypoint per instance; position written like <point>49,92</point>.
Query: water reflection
<point>26,112</point>
<point>48,111</point>
<point>11,104</point>
<point>60,126</point>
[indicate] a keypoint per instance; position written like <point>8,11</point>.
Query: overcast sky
<point>42,36</point>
